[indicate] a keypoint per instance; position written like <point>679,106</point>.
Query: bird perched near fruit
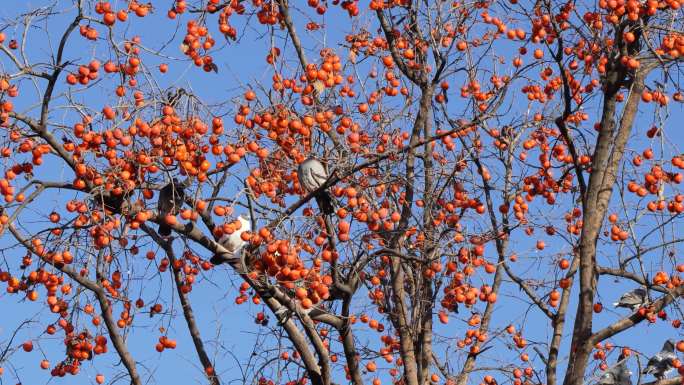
<point>170,201</point>
<point>663,362</point>
<point>106,200</point>
<point>633,299</point>
<point>233,243</point>
<point>617,375</point>
<point>312,175</point>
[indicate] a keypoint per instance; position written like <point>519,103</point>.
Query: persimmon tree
<point>495,167</point>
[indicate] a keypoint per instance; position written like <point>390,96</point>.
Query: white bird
<point>633,299</point>
<point>662,363</point>
<point>617,375</point>
<point>233,243</point>
<point>312,175</point>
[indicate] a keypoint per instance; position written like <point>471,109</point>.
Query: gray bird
<point>170,201</point>
<point>312,175</point>
<point>662,363</point>
<point>633,299</point>
<point>618,374</point>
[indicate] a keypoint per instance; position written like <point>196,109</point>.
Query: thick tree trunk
<point>608,152</point>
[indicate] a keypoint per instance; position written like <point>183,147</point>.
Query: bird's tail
<point>164,230</point>
<point>233,259</point>
<point>216,260</point>
<point>219,258</point>
<point>324,201</point>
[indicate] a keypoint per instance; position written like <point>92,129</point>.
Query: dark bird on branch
<point>170,201</point>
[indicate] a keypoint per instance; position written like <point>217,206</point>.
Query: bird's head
<point>669,345</point>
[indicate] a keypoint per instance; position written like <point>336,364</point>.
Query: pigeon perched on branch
<point>312,175</point>
<point>633,299</point>
<point>233,243</point>
<point>662,363</point>
<point>618,374</point>
<point>170,201</point>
